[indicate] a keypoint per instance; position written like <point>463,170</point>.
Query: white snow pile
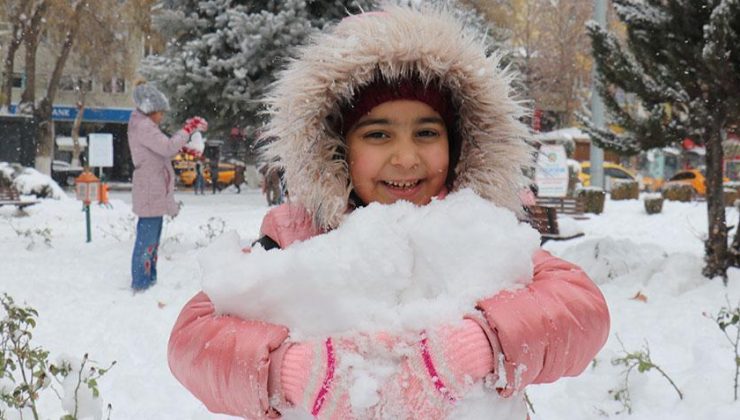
<point>387,267</point>
<point>29,181</point>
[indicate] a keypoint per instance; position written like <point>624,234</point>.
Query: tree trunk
<point>28,97</point>
<point>8,67</point>
<point>45,139</point>
<point>716,255</point>
<point>45,143</point>
<point>76,126</point>
<point>31,37</point>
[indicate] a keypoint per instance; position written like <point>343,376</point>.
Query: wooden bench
<point>564,205</point>
<point>10,197</point>
<point>545,220</point>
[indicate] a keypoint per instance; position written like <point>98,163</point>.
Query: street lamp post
<point>597,108</point>
<point>87,190</point>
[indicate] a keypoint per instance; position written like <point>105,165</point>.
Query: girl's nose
<point>405,154</point>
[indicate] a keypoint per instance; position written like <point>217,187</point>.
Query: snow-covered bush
<point>574,168</point>
<point>625,190</point>
<point>29,181</point>
<point>593,199</point>
<point>211,230</point>
<point>34,235</point>
<point>679,192</point>
<point>640,360</point>
<point>26,373</point>
<point>728,320</point>
<point>653,204</point>
<point>124,229</point>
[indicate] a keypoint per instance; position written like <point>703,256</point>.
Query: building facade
<point>107,100</point>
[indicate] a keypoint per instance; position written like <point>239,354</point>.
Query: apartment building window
<point>69,83</point>
<point>86,84</point>
<point>115,85</point>
<point>152,45</point>
<point>19,80</point>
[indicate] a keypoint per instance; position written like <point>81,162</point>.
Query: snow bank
<point>388,267</point>
<point>29,181</point>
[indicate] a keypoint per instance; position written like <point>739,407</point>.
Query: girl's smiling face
<point>398,151</point>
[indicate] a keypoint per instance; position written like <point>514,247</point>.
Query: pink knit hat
<point>381,91</point>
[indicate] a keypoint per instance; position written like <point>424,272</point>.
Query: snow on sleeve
<point>392,267</point>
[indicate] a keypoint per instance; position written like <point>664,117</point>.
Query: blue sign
<point>100,115</point>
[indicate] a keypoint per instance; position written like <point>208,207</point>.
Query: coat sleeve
<point>224,360</point>
<point>551,328</point>
<point>159,143</point>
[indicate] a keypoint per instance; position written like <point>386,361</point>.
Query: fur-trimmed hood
<point>394,43</point>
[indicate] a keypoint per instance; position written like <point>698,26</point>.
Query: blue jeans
<point>200,183</point>
<point>144,258</point>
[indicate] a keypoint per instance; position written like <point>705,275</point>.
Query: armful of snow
<point>224,360</point>
<point>551,328</point>
<point>387,268</point>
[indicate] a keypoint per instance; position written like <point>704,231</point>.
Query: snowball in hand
<point>392,267</point>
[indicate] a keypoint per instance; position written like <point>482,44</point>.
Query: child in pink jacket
<point>400,104</point>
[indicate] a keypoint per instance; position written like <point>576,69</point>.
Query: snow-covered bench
<point>545,220</point>
<point>565,205</point>
<point>10,197</point>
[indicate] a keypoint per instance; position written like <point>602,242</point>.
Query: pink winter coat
<point>154,178</point>
<point>554,327</point>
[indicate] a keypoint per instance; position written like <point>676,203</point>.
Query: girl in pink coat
<point>153,191</point>
<point>400,104</point>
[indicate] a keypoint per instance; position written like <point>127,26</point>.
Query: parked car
<point>181,162</point>
<point>611,170</point>
<point>693,177</point>
<point>64,173</point>
<point>226,173</point>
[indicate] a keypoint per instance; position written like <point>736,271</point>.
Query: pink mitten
<point>195,124</point>
<point>437,372</point>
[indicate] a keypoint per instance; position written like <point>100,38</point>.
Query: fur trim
<point>397,42</point>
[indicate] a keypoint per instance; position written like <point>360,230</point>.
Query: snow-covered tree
<point>681,64</point>
<point>223,54</point>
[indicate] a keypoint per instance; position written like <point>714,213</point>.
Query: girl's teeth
<point>402,184</point>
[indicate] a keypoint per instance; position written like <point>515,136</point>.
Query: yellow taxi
<point>693,177</point>
<point>612,170</point>
<point>226,173</point>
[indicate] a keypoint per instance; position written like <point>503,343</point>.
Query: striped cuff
<point>274,378</point>
<point>297,371</point>
<point>455,358</point>
<point>307,374</point>
<point>468,351</point>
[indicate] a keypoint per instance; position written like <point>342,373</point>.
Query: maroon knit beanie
<point>381,91</point>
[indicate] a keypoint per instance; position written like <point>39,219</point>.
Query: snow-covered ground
<point>81,291</point>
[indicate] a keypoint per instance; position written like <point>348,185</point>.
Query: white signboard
<point>100,150</point>
<point>551,173</point>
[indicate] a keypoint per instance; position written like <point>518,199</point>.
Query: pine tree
<point>681,63</point>
<point>223,54</point>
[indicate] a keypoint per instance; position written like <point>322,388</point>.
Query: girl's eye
<point>427,133</point>
<point>376,135</point>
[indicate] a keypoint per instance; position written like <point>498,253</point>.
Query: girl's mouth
<point>402,185</point>
<point>404,190</point>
